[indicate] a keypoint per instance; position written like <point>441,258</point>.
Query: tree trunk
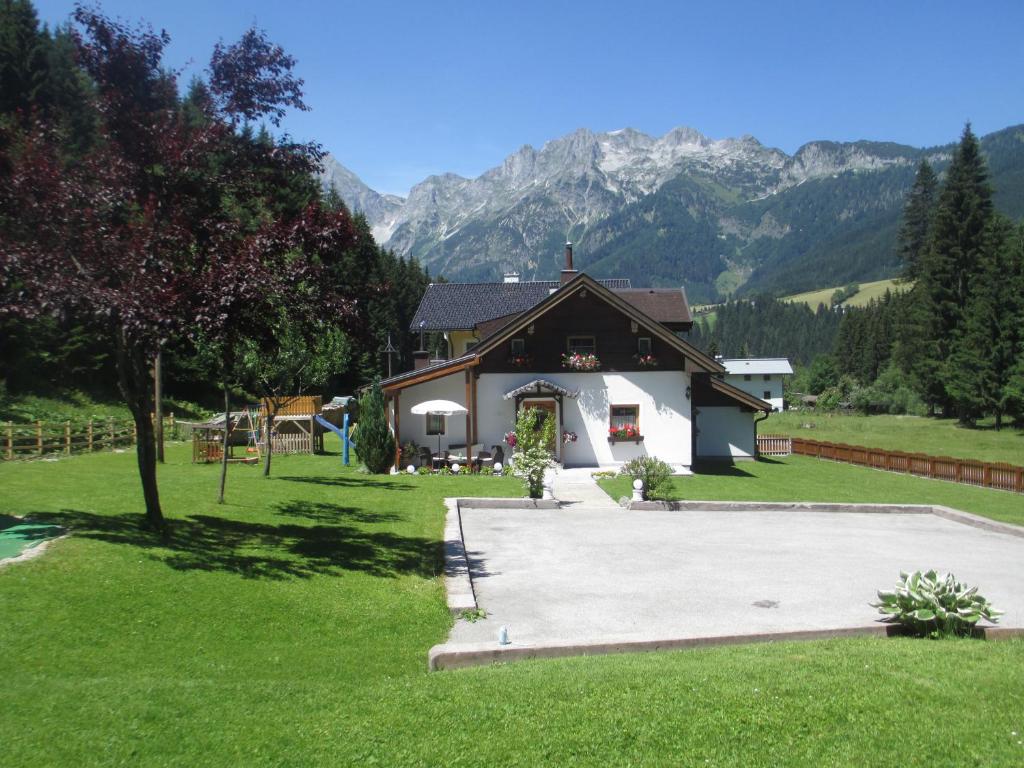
<point>135,381</point>
<point>158,406</point>
<point>999,420</point>
<point>224,445</point>
<point>270,438</point>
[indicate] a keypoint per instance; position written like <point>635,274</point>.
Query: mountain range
<point>721,217</point>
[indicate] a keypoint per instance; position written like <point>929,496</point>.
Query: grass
<point>915,434</point>
<point>802,478</point>
<point>290,627</point>
<point>77,407</point>
<point>867,292</point>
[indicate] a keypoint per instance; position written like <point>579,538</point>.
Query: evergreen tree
<point>1014,391</point>
<point>917,215</point>
<point>951,260</point>
<point>979,365</point>
<point>375,445</point>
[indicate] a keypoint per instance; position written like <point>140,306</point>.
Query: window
<point>582,345</point>
<point>746,377</point>
<point>767,377</point>
<point>767,395</point>
<point>518,347</point>
<point>435,424</point>
<point>625,415</point>
<point>643,345</point>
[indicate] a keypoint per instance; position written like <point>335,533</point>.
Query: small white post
<point>638,490</point>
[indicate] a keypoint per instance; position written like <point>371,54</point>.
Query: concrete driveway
<point>595,574</point>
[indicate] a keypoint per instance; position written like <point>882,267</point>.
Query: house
<point>605,360</point>
<point>759,376</point>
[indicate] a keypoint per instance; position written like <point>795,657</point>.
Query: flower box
<point>520,361</point>
<point>580,362</point>
<point>646,361</point>
<point>627,433</point>
<point>633,439</point>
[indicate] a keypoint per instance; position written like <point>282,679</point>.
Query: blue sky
<point>400,90</point>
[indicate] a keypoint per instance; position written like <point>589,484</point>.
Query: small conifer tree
<point>375,445</point>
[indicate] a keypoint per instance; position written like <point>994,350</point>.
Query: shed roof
<point>757,365</point>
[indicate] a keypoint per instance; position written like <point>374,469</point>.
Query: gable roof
<point>461,306</point>
<point>581,282</point>
<point>666,305</point>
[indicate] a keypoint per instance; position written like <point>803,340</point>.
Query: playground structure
<point>299,424</point>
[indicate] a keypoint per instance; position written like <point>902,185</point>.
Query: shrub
<point>375,444</point>
<point>423,471</point>
<point>930,605</point>
<point>486,470</point>
<point>533,452</point>
<point>655,473</point>
<point>445,471</point>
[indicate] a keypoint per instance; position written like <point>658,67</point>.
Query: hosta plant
<point>932,605</point>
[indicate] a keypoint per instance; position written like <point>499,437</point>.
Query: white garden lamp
<point>438,408</point>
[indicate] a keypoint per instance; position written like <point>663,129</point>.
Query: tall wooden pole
<point>158,399</point>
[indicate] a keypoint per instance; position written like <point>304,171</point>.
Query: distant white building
<point>759,376</point>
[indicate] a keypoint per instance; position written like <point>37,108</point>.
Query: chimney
<point>420,359</point>
<point>511,277</point>
<point>568,273</point>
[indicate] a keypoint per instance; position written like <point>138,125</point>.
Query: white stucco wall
<point>757,386</point>
<point>664,413</point>
<point>725,432</point>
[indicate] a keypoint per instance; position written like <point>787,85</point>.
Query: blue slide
<point>341,432</point>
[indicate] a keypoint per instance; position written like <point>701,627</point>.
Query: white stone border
<point>948,513</point>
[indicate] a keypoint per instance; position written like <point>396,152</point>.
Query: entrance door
<point>546,410</point>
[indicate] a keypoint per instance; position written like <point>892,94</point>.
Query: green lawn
<point>915,434</point>
<point>802,478</point>
<point>290,627</point>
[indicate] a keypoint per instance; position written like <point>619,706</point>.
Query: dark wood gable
<point>582,314</point>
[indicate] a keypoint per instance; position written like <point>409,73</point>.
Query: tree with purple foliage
<point>163,227</point>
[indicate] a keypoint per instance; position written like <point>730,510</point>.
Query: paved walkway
<point>575,489</point>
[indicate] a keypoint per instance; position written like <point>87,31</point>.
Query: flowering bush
<point>646,361</point>
<point>533,455</point>
<point>580,362</point>
<point>510,439</point>
<point>624,432</point>
<point>655,474</point>
<point>569,437</point>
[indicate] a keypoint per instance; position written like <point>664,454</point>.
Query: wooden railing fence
<point>49,438</point>
<point>774,445</point>
<point>1005,477</point>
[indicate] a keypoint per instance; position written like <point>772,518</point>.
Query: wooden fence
<point>49,438</point>
<point>1005,477</point>
<point>774,445</point>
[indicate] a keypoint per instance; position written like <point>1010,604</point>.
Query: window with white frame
<point>517,347</point>
<point>643,345</point>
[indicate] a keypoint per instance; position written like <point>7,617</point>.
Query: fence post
<point>1018,480</point>
<point>110,430</point>
<point>67,438</point>
<point>88,434</point>
<point>174,435</point>
<point>134,435</point>
<point>10,440</point>
<point>986,475</point>
<point>39,437</point>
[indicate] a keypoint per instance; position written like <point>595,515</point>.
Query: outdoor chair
<point>484,459</point>
<point>499,454</point>
<point>425,457</point>
<point>457,455</point>
<point>439,460</point>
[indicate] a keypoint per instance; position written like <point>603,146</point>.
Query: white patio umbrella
<point>438,408</point>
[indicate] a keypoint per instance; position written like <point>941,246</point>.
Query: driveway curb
<point>457,581</point>
<point>462,655</point>
<point>948,513</point>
